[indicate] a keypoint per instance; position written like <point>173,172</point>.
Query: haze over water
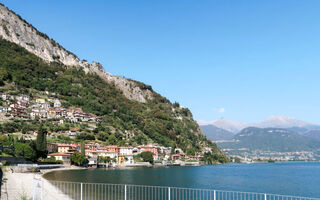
<point>295,178</point>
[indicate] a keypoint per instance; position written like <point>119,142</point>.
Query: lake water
<point>295,178</point>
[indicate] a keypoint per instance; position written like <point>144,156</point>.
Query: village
<point>24,107</point>
<point>121,156</point>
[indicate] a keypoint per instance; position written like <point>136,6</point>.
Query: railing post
<point>81,191</point>
<point>169,196</point>
<point>125,192</point>
<point>214,194</point>
<point>265,196</point>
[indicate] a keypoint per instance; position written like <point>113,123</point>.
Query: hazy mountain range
<point>271,139</point>
<point>271,122</point>
<point>214,133</point>
<point>277,133</point>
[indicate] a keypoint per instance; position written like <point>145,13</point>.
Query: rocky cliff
<point>33,64</point>
<point>14,29</point>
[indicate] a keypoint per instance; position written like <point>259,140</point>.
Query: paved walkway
<point>21,185</point>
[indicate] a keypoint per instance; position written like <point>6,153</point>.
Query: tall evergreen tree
<point>83,153</point>
<point>41,142</point>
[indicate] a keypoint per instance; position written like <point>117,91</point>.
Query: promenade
<point>23,185</point>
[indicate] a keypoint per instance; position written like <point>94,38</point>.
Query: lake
<point>291,178</point>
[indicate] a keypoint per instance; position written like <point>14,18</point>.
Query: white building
<point>64,157</point>
<point>23,98</point>
<point>3,109</point>
<point>45,106</point>
<point>57,103</point>
<point>126,151</point>
<point>4,97</point>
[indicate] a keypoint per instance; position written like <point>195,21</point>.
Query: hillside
<point>272,139</point>
<point>129,112</point>
<point>214,133</point>
<point>313,134</point>
<point>312,131</point>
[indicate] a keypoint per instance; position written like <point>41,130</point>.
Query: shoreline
<point>22,183</point>
<point>45,171</point>
<point>22,186</point>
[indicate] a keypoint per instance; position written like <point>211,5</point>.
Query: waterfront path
<point>20,185</point>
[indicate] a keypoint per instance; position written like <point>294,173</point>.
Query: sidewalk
<point>21,185</point>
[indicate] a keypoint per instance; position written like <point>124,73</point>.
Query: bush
<point>8,151</point>
<point>85,136</point>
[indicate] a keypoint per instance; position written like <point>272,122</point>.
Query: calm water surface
<point>296,178</point>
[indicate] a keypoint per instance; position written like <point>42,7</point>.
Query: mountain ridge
<point>270,122</point>
<point>272,139</point>
<point>123,105</point>
<point>15,29</point>
<point>214,133</point>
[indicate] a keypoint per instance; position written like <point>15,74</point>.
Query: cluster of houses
<point>118,155</point>
<point>25,108</point>
<point>122,156</point>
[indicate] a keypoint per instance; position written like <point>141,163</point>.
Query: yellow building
<point>121,160</point>
<point>51,113</point>
<point>38,100</point>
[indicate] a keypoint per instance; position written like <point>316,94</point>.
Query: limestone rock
<point>14,29</point>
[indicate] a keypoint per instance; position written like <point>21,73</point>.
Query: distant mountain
<point>299,130</point>
<point>272,139</point>
<point>271,122</point>
<point>232,126</point>
<point>280,122</point>
<point>312,132</point>
<point>214,133</point>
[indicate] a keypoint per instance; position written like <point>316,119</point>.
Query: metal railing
<point>101,191</point>
<point>41,166</point>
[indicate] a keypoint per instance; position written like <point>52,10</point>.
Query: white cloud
<point>221,110</point>
<point>202,122</point>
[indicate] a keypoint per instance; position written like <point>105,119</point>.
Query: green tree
<point>85,136</point>
<point>103,136</point>
<point>41,142</point>
<point>4,139</point>
<point>83,153</point>
<point>102,159</point>
<point>24,151</point>
<point>112,139</point>
<point>78,159</point>
<point>214,158</point>
<point>147,156</point>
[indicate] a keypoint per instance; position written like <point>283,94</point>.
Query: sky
<point>241,60</point>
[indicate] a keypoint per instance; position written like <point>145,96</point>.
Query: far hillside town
<point>120,156</point>
<point>45,107</point>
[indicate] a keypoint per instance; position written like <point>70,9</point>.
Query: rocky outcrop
<point>14,29</point>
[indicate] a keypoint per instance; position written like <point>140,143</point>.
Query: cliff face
<point>14,29</point>
<point>124,104</point>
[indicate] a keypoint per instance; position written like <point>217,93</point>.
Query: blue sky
<point>242,60</point>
